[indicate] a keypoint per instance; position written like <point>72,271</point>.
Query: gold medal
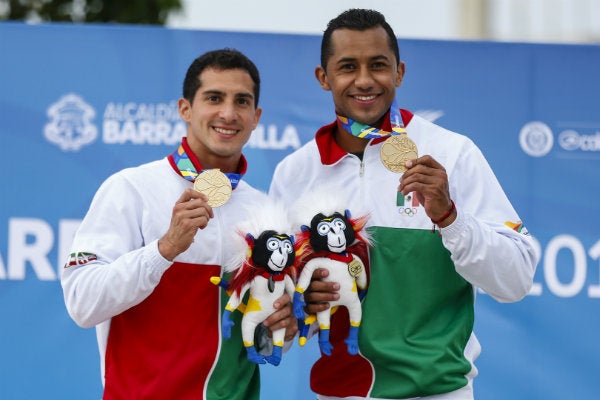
<point>215,185</point>
<point>354,268</point>
<point>396,151</point>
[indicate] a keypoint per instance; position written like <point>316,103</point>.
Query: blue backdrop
<point>78,103</point>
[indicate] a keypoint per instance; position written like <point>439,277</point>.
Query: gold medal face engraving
<point>396,151</point>
<point>354,268</point>
<point>215,185</point>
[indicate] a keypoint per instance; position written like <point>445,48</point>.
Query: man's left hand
<point>427,178</point>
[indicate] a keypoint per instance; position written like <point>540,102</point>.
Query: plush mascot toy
<point>325,242</point>
<point>264,265</point>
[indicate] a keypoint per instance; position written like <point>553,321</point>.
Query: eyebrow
<point>213,92</point>
<point>245,96</point>
<point>352,59</point>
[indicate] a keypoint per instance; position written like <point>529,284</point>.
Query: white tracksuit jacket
<point>416,336</point>
<point>158,323</point>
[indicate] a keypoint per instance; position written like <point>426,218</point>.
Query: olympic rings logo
<point>407,211</point>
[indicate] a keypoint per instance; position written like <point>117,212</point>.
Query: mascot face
<point>273,251</point>
<point>333,233</point>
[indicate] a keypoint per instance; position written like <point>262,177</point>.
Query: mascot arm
<point>361,279</point>
<point>289,286</point>
<point>306,275</point>
<point>235,299</point>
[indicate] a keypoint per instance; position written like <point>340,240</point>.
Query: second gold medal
<point>215,185</point>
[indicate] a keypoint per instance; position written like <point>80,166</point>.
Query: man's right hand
<point>319,293</point>
<point>190,213</point>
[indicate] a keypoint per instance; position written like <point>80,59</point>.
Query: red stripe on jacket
<point>164,347</point>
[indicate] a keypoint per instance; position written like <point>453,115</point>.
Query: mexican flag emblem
<point>80,258</point>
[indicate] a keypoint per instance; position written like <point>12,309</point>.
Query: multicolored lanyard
<point>185,166</point>
<point>368,132</point>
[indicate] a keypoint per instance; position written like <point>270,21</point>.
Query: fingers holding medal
<point>215,185</point>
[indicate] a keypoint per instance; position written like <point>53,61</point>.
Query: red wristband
<point>448,213</point>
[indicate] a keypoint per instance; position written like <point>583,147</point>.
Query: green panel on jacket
<point>418,315</point>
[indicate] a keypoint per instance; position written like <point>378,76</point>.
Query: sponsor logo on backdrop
<point>71,126</point>
<point>142,123</point>
<point>270,138</point>
<point>572,140</point>
<point>537,139</point>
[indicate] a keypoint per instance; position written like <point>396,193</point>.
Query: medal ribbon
<point>368,132</point>
<point>180,160</point>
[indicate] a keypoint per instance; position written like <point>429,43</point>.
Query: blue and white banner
<point>79,102</point>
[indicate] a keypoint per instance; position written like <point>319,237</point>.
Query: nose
<point>228,112</point>
<point>364,79</point>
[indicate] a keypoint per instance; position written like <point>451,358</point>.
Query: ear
<point>347,214</point>
<point>305,228</point>
<point>400,73</point>
<point>257,115</point>
<point>292,239</point>
<point>321,76</point>
<point>185,109</point>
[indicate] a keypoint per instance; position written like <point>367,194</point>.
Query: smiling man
<point>416,337</point>
<point>155,242</point>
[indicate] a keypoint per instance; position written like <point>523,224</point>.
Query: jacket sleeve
<point>277,188</point>
<point>120,269</point>
<point>489,246</point>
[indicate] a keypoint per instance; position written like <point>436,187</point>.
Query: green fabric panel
<point>244,383</point>
<point>417,315</point>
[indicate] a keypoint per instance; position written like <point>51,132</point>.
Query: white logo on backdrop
<point>536,139</point>
<point>70,125</point>
<point>571,140</point>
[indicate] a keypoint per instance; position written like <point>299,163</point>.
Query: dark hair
<point>223,59</point>
<point>357,19</point>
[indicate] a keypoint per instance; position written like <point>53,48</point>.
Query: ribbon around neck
<point>369,132</point>
<point>181,161</point>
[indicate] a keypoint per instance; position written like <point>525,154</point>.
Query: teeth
<point>225,131</point>
<point>365,98</point>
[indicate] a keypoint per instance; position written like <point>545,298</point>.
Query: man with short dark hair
<point>144,254</point>
<point>416,335</point>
